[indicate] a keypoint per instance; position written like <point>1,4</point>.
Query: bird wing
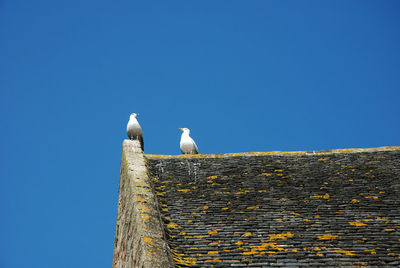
<point>196,150</point>
<point>141,142</point>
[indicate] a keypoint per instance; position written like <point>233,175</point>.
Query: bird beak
<point>181,129</point>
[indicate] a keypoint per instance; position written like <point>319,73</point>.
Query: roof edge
<point>280,153</point>
<point>139,234</point>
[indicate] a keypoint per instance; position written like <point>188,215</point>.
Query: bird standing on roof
<point>134,130</point>
<point>188,146</point>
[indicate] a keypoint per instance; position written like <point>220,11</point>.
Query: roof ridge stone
<point>280,153</point>
<point>139,235</point>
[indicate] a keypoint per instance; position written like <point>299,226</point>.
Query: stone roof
<point>331,208</point>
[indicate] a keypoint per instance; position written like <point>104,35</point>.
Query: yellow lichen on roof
<point>213,260</point>
<point>183,190</point>
<point>184,261</point>
<point>346,252</point>
<point>356,223</point>
<point>148,240</point>
<point>144,210</point>
<point>327,236</point>
<point>381,219</point>
<point>325,196</point>
<point>282,236</point>
<point>372,251</point>
<point>173,225</point>
<point>371,197</point>
<point>262,249</point>
<point>266,246</point>
<point>150,254</point>
<point>213,232</point>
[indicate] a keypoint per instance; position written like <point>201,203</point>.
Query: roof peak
<point>281,153</point>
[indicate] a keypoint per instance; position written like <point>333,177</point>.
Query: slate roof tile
<point>264,209</point>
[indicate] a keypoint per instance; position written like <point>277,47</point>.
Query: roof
<point>326,208</point>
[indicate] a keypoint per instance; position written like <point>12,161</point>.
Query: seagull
<point>188,146</point>
<point>134,130</point>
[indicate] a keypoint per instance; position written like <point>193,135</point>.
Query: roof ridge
<point>139,236</point>
<point>282,153</point>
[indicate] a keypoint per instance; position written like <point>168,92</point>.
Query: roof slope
<point>280,209</point>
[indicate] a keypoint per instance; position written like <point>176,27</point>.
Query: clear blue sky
<point>242,75</point>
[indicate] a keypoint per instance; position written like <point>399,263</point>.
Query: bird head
<point>134,115</point>
<point>185,130</point>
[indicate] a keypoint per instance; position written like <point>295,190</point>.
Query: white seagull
<point>134,130</point>
<point>188,146</point>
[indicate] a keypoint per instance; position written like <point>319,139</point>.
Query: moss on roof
<point>326,152</point>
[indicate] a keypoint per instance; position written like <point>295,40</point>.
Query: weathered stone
<point>139,236</point>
